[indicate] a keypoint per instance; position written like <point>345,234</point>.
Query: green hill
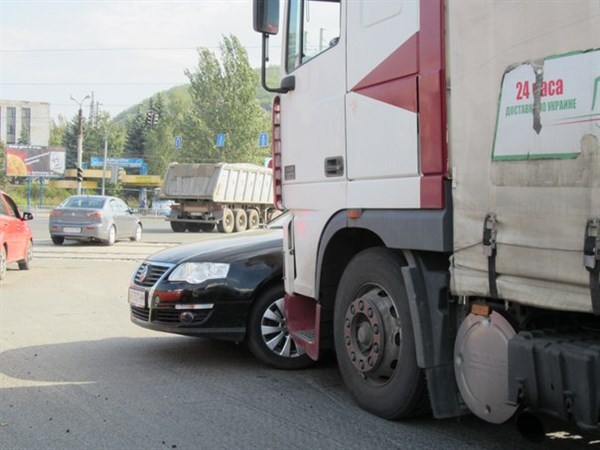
<point>265,98</point>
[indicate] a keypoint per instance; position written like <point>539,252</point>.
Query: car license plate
<point>71,230</point>
<point>137,298</point>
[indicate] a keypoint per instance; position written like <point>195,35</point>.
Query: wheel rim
<point>112,234</point>
<point>138,233</point>
<point>373,334</point>
<point>275,333</point>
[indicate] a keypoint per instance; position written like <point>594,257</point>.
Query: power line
<point>121,49</point>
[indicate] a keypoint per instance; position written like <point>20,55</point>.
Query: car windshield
<point>83,202</point>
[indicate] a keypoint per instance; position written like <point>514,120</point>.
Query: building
<point>21,119</point>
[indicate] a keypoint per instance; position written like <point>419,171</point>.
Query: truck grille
<point>148,274</point>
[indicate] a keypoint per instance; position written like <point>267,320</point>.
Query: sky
<point>122,51</point>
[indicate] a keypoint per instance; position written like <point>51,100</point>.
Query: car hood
<point>227,249</point>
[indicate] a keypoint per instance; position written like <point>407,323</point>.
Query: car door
<point>123,218</point>
<point>14,232</point>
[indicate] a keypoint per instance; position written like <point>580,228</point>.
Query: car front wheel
<point>268,337</point>
<point>25,264</point>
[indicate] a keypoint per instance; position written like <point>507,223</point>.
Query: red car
<point>16,241</point>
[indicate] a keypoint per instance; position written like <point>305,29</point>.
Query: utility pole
<point>105,158</point>
<point>80,144</point>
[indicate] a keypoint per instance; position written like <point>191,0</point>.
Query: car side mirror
<point>27,216</point>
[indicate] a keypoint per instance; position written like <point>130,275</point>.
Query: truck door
<point>313,126</point>
<point>381,109</point>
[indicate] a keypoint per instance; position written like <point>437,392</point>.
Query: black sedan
<point>226,288</point>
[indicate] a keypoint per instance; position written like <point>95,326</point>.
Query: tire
<point>240,219</point>
<point>111,237</point>
<point>253,219</point>
<point>193,227</point>
<point>25,264</point>
<point>227,223</point>
<point>57,240</point>
<point>178,227</point>
<point>137,237</point>
<point>267,336</point>
<point>2,263</point>
<point>207,227</point>
<point>374,339</point>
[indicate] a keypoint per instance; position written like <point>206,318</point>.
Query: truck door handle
<point>334,167</point>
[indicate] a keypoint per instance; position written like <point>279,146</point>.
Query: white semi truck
<point>441,162</point>
<point>234,197</point>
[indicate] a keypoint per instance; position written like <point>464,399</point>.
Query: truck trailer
<point>234,197</point>
<point>441,163</point>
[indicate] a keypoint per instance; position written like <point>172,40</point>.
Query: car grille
<point>168,315</point>
<point>148,274</point>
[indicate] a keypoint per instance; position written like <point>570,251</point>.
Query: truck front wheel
<point>374,340</point>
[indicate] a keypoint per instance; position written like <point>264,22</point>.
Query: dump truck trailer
<point>232,197</point>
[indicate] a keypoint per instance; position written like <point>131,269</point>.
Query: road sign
<point>178,142</point>
<point>220,140</point>
<point>263,140</point>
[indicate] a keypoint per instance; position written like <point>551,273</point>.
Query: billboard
<point>35,161</point>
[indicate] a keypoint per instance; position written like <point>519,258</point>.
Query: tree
<point>160,149</point>
<point>135,142</point>
<point>3,177</point>
<point>24,137</point>
<point>93,138</point>
<point>57,131</point>
<point>224,102</point>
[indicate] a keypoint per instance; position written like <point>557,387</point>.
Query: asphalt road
<point>76,374</point>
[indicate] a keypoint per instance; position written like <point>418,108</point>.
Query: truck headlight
<point>195,273</point>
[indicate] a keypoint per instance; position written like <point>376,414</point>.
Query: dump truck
<point>232,197</point>
<point>441,165</point>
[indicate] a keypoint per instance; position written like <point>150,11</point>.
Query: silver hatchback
<point>94,218</point>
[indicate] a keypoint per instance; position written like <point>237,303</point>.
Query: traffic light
<point>79,174</point>
<point>151,118</point>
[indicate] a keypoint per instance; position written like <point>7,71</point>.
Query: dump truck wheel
<point>178,227</point>
<point>227,223</point>
<point>253,219</point>
<point>241,220</point>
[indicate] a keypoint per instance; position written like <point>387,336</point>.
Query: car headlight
<point>196,273</point>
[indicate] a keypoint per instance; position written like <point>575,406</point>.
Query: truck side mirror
<point>266,16</point>
<point>266,22</point>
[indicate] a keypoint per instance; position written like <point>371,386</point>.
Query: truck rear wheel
<point>227,223</point>
<point>193,227</point>
<point>178,227</point>
<point>253,219</point>
<point>207,227</point>
<point>374,340</point>
<point>241,220</point>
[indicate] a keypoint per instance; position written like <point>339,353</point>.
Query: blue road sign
<point>263,140</point>
<point>220,140</point>
<point>178,142</point>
